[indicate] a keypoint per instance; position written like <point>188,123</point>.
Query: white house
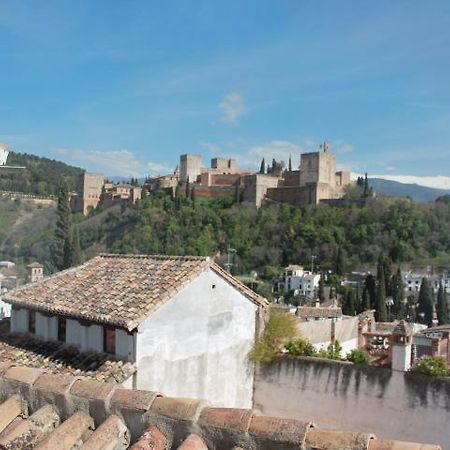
<point>413,281</point>
<point>3,154</point>
<point>186,323</point>
<point>294,277</point>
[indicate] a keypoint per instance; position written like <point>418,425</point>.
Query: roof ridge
<point>245,290</point>
<point>156,256</point>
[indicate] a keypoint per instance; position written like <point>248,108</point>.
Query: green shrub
<point>358,356</point>
<point>433,366</point>
<point>333,351</point>
<point>280,328</point>
<point>300,347</point>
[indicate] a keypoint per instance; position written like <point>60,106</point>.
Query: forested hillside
<point>26,231</point>
<point>42,176</point>
<point>276,235</point>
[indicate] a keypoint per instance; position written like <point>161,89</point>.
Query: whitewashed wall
<point>196,345</point>
<point>5,309</point>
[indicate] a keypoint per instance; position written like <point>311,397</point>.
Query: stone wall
<point>335,394</point>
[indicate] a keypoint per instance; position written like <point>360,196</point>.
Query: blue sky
<point>124,87</point>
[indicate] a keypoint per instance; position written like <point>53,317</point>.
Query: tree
<point>398,295</point>
<point>262,169</point>
<point>290,164</point>
<point>366,186</point>
<point>188,187</point>
<point>63,246</point>
<point>321,293</point>
<point>365,300</point>
<point>77,256</point>
<point>340,262</point>
<point>193,197</point>
<point>442,306</point>
<point>280,328</point>
<point>349,303</point>
<point>425,303</point>
<point>380,310</point>
<point>371,287</point>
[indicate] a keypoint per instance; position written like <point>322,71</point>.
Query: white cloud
<point>280,150</point>
<point>211,147</point>
<point>341,147</point>
<point>112,162</point>
<point>232,107</point>
<point>158,169</point>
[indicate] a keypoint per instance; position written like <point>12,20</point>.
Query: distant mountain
<point>396,189</point>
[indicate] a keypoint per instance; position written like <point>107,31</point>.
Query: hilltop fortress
<point>314,181</point>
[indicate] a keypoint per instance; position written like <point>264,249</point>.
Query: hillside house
<point>295,278</point>
<point>184,322</point>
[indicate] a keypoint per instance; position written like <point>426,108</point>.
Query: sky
<point>125,87</point>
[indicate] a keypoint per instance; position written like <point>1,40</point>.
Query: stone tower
<point>35,272</point>
<point>190,168</point>
<point>401,345</point>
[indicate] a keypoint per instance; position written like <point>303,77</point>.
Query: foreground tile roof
<point>43,411</point>
<point>57,358</point>
<point>121,290</point>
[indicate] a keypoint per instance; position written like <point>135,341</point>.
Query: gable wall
<point>196,345</point>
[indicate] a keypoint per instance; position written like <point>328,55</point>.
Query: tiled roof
<point>57,358</point>
<point>121,290</point>
<point>321,313</point>
<point>42,411</point>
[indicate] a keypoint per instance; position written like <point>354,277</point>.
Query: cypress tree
<point>63,249</point>
<point>366,186</point>
<point>371,288</point>
<point>398,294</point>
<point>290,164</point>
<point>262,169</point>
<point>340,262</point>
<point>365,300</point>
<point>381,312</point>
<point>77,257</point>
<point>193,197</point>
<point>188,187</point>
<point>321,293</point>
<point>349,303</point>
<point>425,303</point>
<point>442,305</point>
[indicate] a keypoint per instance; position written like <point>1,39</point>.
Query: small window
<point>32,321</point>
<point>61,329</point>
<point>109,340</point>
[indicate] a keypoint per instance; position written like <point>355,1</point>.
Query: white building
<point>294,277</point>
<point>3,154</point>
<point>413,281</point>
<point>186,323</point>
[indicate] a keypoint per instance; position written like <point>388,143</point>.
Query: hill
<point>276,235</point>
<point>26,231</point>
<point>416,192</point>
<point>42,176</point>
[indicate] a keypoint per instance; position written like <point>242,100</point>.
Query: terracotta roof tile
<point>56,358</point>
<point>118,289</point>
